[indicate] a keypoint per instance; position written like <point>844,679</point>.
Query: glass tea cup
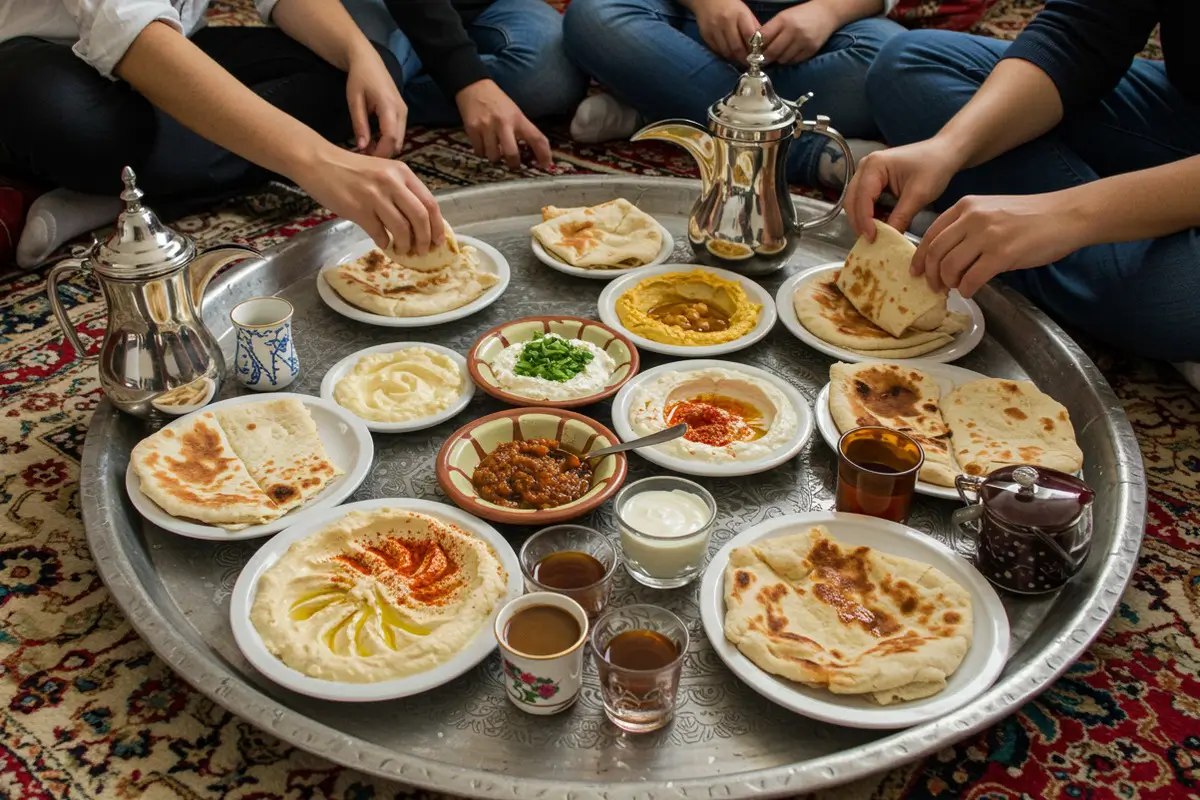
<point>572,560</point>
<point>877,472</point>
<point>639,652</point>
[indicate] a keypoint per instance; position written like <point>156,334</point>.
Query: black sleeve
<point>437,33</point>
<point>1086,46</point>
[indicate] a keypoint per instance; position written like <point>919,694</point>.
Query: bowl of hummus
<point>528,466</point>
<point>564,362</point>
<point>402,386</point>
<point>374,600</point>
<point>741,419</point>
<point>688,310</point>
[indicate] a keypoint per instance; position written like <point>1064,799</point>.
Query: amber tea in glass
<point>639,658</point>
<point>877,472</point>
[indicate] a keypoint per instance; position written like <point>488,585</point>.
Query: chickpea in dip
<point>731,416</point>
<point>400,386</point>
<point>377,595</point>
<point>526,474</point>
<point>549,367</point>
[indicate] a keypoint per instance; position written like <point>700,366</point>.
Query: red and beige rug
<point>89,712</point>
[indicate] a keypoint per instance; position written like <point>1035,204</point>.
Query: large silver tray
<point>466,738</point>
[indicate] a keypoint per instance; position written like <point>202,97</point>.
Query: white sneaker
<point>58,216</point>
<point>831,169</point>
<point>603,118</point>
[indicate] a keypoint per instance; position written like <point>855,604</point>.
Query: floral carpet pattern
<point>88,711</point>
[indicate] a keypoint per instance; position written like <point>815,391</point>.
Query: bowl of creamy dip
<point>559,362</point>
<point>665,524</point>
<point>401,386</point>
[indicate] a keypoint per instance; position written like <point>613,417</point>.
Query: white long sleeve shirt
<point>100,31</point>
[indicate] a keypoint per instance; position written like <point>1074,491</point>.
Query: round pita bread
<point>612,234</point>
<point>383,286</point>
<point>876,280</point>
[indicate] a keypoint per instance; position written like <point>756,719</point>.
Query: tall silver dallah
<point>744,218</point>
<point>158,358</point>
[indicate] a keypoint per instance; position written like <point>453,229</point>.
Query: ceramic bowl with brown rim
<point>471,444</point>
<point>587,388</point>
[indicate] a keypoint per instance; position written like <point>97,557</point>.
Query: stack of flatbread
<point>851,620</point>
<point>235,467</point>
<point>612,235</point>
<point>395,284</point>
<point>873,306</point>
<point>975,429</point>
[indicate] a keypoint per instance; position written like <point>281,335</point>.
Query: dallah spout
<point>205,266</point>
<point>690,136</point>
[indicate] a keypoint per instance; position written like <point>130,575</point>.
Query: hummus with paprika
<point>693,309</point>
<point>377,595</point>
<point>731,416</point>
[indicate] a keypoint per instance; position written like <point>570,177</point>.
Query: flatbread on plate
<point>996,422</point>
<point>191,471</point>
<point>830,316</point>
<point>616,234</point>
<point>901,398</point>
<point>876,280</point>
<point>852,620</point>
<point>278,442</point>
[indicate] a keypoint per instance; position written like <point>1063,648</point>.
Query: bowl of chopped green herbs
<point>559,362</point>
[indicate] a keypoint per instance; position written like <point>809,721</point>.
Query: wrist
<point>306,156</point>
<point>1084,213</point>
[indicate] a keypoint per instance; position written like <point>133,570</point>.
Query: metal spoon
<point>673,432</point>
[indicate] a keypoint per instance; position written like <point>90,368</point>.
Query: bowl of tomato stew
<point>528,466</point>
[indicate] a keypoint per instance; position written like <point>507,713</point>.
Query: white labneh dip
<point>664,535</point>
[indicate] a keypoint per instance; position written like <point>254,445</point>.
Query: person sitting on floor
<point>1060,162</point>
<point>675,58</point>
<point>488,65</point>
<point>90,86</point>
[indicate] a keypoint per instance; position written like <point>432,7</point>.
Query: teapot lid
<point>753,105</point>
<point>140,245</point>
<point>1035,497</point>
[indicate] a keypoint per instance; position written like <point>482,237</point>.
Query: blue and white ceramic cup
<point>266,359</point>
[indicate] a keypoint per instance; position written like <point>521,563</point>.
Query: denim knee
<point>900,90</point>
<point>593,32</point>
<point>541,79</point>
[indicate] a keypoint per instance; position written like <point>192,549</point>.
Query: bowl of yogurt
<point>560,362</point>
<point>665,524</point>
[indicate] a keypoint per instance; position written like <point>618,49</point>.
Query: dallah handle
<point>57,272</point>
<point>821,125</point>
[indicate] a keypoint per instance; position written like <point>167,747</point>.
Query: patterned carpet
<point>91,713</point>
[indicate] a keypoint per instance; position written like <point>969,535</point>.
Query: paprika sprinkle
<point>717,421</point>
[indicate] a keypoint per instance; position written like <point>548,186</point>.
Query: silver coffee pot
<point>745,218</point>
<point>158,357</point>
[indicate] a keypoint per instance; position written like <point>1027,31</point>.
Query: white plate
<point>490,260</point>
<point>757,294</point>
<point>983,663</point>
<point>963,343</point>
<point>252,647</point>
<point>554,262</point>
<point>347,443</point>
<point>948,378</point>
<point>804,422</point>
<point>339,370</point>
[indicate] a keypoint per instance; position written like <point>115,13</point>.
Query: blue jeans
<point>650,55</point>
<point>1143,297</point>
<point>519,41</point>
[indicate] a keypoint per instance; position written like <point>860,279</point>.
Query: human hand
<point>371,90</point>
<point>798,33</point>
<point>726,26</point>
<point>495,125</point>
<point>916,173</point>
<point>980,237</point>
<point>382,195</point>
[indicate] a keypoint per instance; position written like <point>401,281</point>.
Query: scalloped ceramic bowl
<point>488,347</point>
<point>462,452</point>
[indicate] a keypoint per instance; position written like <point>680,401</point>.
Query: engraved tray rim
<point>209,673</point>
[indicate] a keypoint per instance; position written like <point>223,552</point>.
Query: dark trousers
<point>64,124</point>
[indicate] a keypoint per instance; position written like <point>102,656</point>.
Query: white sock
<point>603,118</point>
<point>1191,372</point>
<point>831,169</point>
<point>58,216</point>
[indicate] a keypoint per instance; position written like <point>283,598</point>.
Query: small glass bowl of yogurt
<point>665,524</point>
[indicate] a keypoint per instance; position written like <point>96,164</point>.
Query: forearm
<point>437,34</point>
<point>847,11</point>
<point>1138,205</point>
<point>1016,104</point>
<point>179,78</point>
<point>322,26</point>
